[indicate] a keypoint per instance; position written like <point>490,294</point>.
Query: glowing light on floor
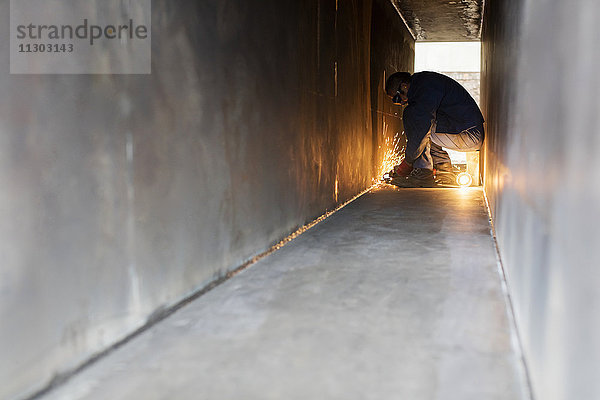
<point>464,179</point>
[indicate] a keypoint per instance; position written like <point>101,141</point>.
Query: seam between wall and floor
<point>161,314</point>
<point>510,311</point>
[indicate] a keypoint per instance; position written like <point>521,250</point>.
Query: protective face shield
<point>401,97</point>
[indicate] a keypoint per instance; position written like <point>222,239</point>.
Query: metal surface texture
<point>540,98</point>
<point>442,20</point>
<point>122,194</point>
<point>396,296</point>
<point>388,56</point>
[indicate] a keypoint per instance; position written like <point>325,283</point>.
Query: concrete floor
<point>396,296</point>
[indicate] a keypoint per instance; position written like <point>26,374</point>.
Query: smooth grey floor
<point>396,296</point>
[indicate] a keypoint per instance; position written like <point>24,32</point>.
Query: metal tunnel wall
<point>540,88</point>
<point>122,194</point>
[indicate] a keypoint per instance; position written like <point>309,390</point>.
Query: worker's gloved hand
<point>402,170</point>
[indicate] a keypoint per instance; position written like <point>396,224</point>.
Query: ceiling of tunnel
<point>442,20</point>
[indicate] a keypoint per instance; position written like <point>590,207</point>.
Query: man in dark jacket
<point>439,112</point>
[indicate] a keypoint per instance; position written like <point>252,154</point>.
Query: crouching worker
<point>439,112</point>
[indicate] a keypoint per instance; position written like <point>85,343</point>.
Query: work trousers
<point>429,152</point>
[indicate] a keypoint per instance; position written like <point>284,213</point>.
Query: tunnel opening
<point>460,61</point>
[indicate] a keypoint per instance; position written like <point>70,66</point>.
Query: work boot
<point>444,167</point>
<point>419,177</point>
<point>445,174</point>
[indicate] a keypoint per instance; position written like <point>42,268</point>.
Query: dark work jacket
<point>434,96</point>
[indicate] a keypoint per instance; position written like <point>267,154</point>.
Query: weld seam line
<point>404,20</point>
<point>155,318</point>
